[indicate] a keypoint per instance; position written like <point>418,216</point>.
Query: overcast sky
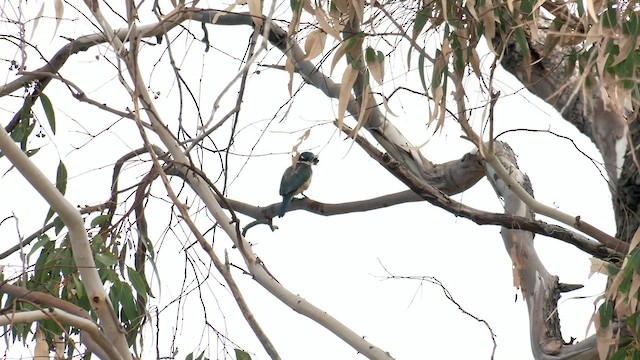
<point>333,262</point>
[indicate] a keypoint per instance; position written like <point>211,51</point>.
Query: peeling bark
<point>540,289</point>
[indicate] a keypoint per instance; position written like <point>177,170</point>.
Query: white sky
<point>333,262</point>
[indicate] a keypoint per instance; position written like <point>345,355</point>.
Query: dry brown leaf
<point>443,112</point>
<point>358,7</point>
<point>315,44</point>
<point>59,347</point>
<point>598,266</point>
<point>290,68</point>
<point>364,111</point>
<point>348,79</point>
<point>340,51</point>
<point>295,22</point>
<point>510,6</point>
<point>489,27</point>
<point>59,6</point>
<point>475,62</point>
<point>471,5</point>
<point>226,10</point>
<point>255,9</point>
<point>592,11</point>
<point>323,22</point>
<point>36,21</point>
<point>385,103</point>
<point>376,68</point>
<point>635,240</point>
<point>306,6</point>
<point>296,153</point>
<point>42,348</point>
<point>604,337</point>
<point>342,6</point>
<point>437,97</point>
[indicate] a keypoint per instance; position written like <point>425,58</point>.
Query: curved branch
<point>96,342</point>
<point>82,253</point>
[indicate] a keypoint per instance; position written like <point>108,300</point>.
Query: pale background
<point>333,262</point>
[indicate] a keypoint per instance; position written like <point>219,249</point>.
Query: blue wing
<point>293,182</point>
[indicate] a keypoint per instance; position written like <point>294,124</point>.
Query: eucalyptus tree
<point>87,272</point>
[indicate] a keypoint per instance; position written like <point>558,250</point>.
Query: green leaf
<point>44,238</point>
<point>32,152</point>
<point>632,25</point>
<point>106,259</point>
<point>621,354</point>
<point>606,313</point>
<point>521,37</point>
<point>296,5</point>
<point>420,21</point>
<point>61,178</point>
<point>526,6</point>
<point>421,71</point>
<point>58,225</point>
<point>370,55</point>
<point>580,8</point>
<point>138,281</point>
<point>48,110</point>
<point>355,41</point>
<point>610,18</point>
<point>99,220</point>
<point>242,355</point>
<point>128,303</point>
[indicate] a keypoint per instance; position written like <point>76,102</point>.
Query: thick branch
<point>540,289</point>
<point>82,253</point>
<point>96,342</point>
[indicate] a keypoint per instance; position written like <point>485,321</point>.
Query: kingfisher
<point>296,179</point>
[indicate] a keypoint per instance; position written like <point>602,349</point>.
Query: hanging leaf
<point>339,53</point>
<point>314,45</point>
<point>255,9</point>
<point>242,355</point>
<point>420,21</point>
<point>348,79</point>
<point>99,220</point>
<point>59,6</point>
<point>363,116</point>
<point>48,111</point>
<point>61,178</point>
<point>323,22</point>
<point>138,282</point>
<point>36,21</point>
<point>421,68</point>
<point>375,63</point>
<point>106,259</point>
<point>290,68</point>
<point>521,37</point>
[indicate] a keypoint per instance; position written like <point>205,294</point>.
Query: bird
<point>296,179</point>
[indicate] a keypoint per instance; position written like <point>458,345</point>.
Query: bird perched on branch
<point>296,179</point>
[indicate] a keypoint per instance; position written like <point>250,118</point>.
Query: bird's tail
<point>286,199</point>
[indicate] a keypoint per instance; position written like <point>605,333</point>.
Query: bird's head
<point>308,157</point>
